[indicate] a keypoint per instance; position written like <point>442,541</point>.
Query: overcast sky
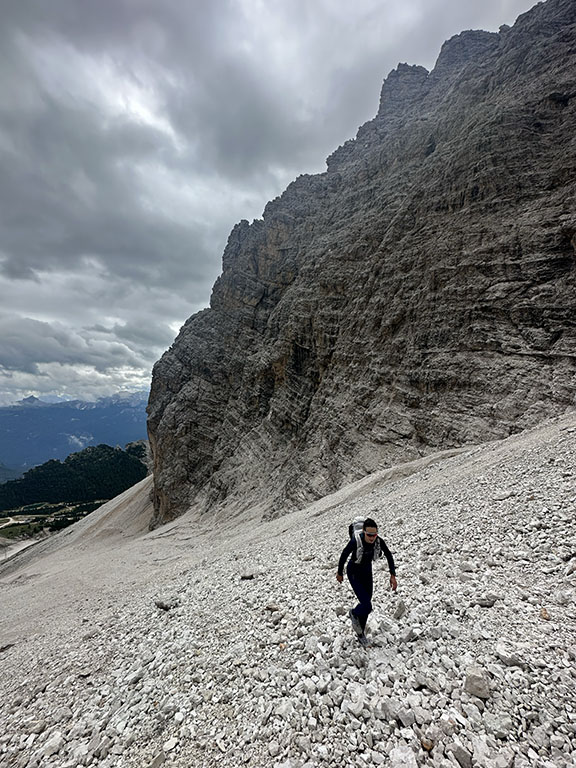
<point>135,133</point>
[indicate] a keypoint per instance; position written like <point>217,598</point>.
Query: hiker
<point>365,546</point>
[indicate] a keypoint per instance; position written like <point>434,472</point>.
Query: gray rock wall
<point>420,294</point>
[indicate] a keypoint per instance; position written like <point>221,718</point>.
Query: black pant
<point>361,582</point>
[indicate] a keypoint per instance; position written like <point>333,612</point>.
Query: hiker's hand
<point>339,578</point>
<point>393,583</point>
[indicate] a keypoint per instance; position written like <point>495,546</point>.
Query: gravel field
<point>227,642</point>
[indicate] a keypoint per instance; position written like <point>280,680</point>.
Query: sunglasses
<point>371,535</point>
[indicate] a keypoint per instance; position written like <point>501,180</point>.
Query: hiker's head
<point>370,529</point>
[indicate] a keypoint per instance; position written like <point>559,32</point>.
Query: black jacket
<point>367,557</point>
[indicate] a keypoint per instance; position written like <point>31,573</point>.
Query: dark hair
<point>369,523</point>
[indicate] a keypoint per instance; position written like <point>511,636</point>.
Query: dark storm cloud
<point>26,344</point>
<point>143,334</point>
<point>134,134</point>
<point>70,188</point>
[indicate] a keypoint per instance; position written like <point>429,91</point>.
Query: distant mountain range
<point>33,431</point>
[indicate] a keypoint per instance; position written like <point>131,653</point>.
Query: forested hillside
<point>97,472</point>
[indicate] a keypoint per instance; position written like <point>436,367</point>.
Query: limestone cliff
<point>419,294</point>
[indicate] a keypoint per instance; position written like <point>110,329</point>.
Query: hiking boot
<point>363,640</point>
<point>356,626</point>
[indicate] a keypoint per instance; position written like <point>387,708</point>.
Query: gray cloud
<point>142,335</point>
<point>27,344</point>
<point>133,135</point>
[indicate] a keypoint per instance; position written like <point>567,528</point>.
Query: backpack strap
<point>359,547</point>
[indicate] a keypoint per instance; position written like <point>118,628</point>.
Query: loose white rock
<point>403,757</point>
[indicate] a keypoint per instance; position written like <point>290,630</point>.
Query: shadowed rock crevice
<point>419,294</point>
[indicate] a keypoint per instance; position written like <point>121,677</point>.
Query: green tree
<point>97,472</point>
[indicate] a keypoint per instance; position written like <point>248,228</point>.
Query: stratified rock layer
<point>419,294</point>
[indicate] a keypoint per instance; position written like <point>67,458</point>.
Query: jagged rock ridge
<point>419,294</point>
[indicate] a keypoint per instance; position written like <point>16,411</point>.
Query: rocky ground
<point>224,643</point>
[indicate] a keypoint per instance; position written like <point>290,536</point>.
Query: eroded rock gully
<point>419,294</point>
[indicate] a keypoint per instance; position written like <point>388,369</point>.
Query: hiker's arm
<point>391,565</point>
<point>388,554</point>
<point>346,552</point>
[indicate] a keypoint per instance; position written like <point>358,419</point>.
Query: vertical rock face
<point>419,294</point>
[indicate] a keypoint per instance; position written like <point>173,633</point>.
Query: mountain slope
<point>418,295</point>
<point>265,671</point>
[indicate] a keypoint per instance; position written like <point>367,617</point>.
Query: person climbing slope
<point>364,547</point>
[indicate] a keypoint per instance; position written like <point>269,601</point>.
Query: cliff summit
<point>418,295</point>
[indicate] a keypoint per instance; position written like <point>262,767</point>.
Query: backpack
<point>354,530</point>
<point>355,526</point>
